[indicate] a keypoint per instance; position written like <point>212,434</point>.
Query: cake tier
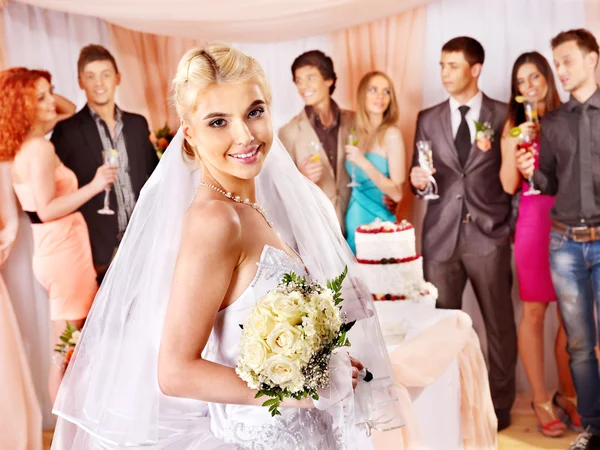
<point>396,279</point>
<point>383,245</point>
<point>396,317</point>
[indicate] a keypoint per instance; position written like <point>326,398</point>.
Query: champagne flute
<point>110,156</point>
<point>526,142</point>
<point>318,148</point>
<point>426,162</point>
<point>353,140</point>
<point>531,111</point>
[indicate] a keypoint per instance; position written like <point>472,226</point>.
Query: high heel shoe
<point>567,411</point>
<point>555,427</point>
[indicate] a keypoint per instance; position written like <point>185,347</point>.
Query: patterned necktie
<point>588,201</point>
<point>462,141</point>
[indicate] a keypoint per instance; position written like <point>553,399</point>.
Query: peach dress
<point>20,414</point>
<point>62,258</point>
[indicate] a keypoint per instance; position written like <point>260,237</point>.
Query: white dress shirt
<point>472,115</point>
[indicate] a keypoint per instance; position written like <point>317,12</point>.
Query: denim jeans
<point>575,268</point>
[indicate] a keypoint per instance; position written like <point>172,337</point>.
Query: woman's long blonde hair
<point>368,136</point>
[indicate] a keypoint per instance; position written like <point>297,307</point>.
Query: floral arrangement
<point>163,137</point>
<point>288,339</point>
<point>69,339</point>
<point>484,136</point>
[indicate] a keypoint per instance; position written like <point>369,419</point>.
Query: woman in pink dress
<point>532,78</point>
<point>48,192</point>
<point>20,414</point>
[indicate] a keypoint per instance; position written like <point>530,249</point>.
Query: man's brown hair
<point>93,52</point>
<point>582,37</point>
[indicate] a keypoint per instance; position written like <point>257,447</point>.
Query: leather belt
<point>577,234</point>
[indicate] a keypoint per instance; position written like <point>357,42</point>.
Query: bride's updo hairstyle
<point>215,64</point>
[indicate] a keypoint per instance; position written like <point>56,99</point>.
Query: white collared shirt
<point>472,115</point>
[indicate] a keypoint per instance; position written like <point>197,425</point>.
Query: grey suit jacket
<point>477,183</point>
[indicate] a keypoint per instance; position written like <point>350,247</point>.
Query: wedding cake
<point>393,272</point>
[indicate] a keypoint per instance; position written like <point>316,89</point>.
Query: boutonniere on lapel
<point>484,135</point>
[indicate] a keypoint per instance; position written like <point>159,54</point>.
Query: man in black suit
<point>466,232</point>
<point>100,125</point>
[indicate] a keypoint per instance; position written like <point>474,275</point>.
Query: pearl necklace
<point>238,199</point>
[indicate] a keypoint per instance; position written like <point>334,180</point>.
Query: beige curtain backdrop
<point>3,54</point>
<point>592,22</point>
<point>147,64</point>
<point>395,46</point>
<point>234,20</point>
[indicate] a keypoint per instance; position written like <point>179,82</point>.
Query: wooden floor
<point>521,435</point>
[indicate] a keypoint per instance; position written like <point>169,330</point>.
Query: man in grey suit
<point>466,232</point>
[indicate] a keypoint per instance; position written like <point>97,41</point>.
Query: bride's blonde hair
<point>214,64</point>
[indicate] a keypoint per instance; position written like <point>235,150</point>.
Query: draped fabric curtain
<point>148,63</point>
<point>3,52</point>
<point>394,46</point>
<point>51,40</point>
<point>234,20</point>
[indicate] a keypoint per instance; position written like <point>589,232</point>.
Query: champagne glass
<point>318,148</point>
<point>426,162</point>
<point>531,111</point>
<point>110,157</point>
<point>353,140</point>
<point>526,142</point>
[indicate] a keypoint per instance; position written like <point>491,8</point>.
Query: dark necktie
<point>588,201</point>
<point>462,141</point>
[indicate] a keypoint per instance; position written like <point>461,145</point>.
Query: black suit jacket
<point>79,147</point>
<point>477,183</point>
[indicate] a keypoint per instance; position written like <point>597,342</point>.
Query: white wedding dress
<point>193,425</point>
<point>110,397</point>
<point>252,427</point>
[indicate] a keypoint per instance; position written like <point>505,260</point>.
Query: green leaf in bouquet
<point>270,402</point>
<point>292,277</point>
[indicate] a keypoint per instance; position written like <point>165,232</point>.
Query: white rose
<point>260,322</point>
<point>75,337</point>
<point>255,353</point>
<point>289,308</point>
<point>283,338</point>
<point>281,370</point>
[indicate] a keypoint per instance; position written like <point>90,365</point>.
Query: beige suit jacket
<point>297,136</point>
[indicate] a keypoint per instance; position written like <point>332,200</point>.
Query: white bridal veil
<point>110,390</point>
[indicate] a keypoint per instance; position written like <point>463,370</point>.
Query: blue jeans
<point>575,268</point>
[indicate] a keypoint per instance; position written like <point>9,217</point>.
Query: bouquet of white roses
<point>288,338</point>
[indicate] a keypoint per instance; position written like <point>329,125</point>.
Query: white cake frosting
<point>377,246</point>
<point>394,274</point>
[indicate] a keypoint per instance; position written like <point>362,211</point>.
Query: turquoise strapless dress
<point>366,201</point>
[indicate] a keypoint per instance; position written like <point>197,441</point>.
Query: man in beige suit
<point>316,137</point>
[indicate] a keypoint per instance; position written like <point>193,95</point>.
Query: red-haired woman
<point>48,192</point>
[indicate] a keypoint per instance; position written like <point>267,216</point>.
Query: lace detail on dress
<point>274,263</point>
<point>309,429</point>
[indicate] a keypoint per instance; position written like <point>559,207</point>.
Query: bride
<point>223,217</point>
